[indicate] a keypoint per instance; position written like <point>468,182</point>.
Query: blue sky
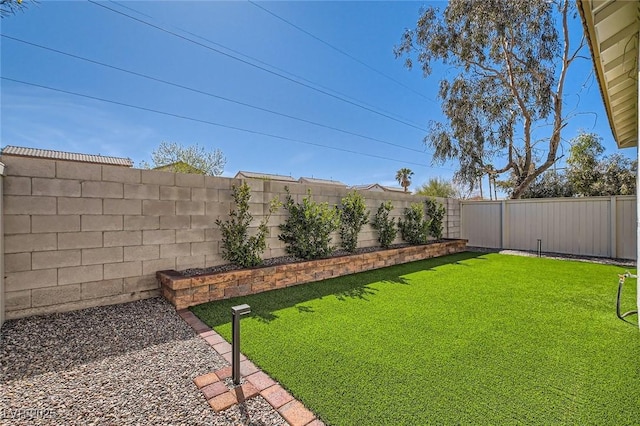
<point>36,117</point>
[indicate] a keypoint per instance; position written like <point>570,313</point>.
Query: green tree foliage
<point>353,216</point>
<point>187,159</point>
<point>435,213</point>
<point>591,174</point>
<point>238,247</point>
<point>550,184</point>
<point>588,173</point>
<point>513,57</point>
<point>618,176</point>
<point>403,176</point>
<point>385,225</point>
<point>307,230</point>
<point>437,187</point>
<point>414,228</point>
<point>582,164</point>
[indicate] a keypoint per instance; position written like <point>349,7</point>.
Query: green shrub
<point>385,226</point>
<point>353,215</point>
<point>237,246</point>
<point>307,230</point>
<point>414,228</point>
<point>435,212</point>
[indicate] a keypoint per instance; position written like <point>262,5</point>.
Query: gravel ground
<point>128,364</point>
<point>561,256</point>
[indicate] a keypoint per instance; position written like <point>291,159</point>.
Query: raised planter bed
<point>184,291</point>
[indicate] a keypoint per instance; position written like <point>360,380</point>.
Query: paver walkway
<point>218,389</point>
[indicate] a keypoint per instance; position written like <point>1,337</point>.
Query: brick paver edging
<point>222,396</point>
<point>183,292</point>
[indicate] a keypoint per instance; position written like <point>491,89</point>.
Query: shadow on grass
<point>355,286</point>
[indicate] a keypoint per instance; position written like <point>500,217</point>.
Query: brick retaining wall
<point>183,292</point>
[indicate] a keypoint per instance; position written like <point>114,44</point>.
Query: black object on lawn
<point>539,247</point>
<point>236,313</point>
<point>621,279</point>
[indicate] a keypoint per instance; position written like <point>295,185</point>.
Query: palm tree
<point>403,176</point>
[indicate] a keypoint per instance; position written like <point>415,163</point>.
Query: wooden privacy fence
<point>593,226</point>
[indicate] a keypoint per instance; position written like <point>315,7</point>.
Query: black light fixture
<point>236,313</point>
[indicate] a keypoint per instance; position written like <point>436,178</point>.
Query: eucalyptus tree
<point>11,7</point>
<point>511,59</point>
<point>591,173</point>
<point>588,173</point>
<point>550,184</point>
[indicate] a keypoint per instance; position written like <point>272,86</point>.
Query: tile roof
<point>368,187</point>
<point>67,156</point>
<point>394,189</point>
<point>321,181</point>
<point>377,186</point>
<point>267,176</point>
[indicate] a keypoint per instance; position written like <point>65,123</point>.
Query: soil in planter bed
<point>192,272</point>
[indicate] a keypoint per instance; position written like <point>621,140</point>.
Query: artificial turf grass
<point>466,338</point>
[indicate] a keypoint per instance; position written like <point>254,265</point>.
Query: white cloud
<point>57,122</point>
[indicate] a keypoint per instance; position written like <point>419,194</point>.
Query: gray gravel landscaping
<point>128,364</point>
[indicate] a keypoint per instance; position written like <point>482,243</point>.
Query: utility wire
<point>337,49</point>
<point>212,123</point>
<point>264,63</point>
<point>341,98</point>
<point>159,80</point>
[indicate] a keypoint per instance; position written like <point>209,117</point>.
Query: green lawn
<point>467,338</point>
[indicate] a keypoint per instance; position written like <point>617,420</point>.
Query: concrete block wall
<point>80,235</point>
<point>452,219</point>
<point>368,237</point>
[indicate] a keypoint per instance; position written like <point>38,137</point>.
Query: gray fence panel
<point>594,226</point>
<point>481,223</point>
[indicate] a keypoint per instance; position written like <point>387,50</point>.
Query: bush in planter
<point>353,215</point>
<point>435,212</point>
<point>385,226</point>
<point>307,230</point>
<point>414,228</point>
<point>237,246</point>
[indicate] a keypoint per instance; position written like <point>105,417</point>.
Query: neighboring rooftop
<point>264,176</point>
<point>19,151</point>
<point>394,189</point>
<point>321,181</point>
<point>369,187</point>
<point>376,187</point>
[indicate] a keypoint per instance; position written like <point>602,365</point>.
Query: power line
<point>342,52</point>
<point>341,98</point>
<point>184,117</point>
<point>299,77</point>
<point>159,80</point>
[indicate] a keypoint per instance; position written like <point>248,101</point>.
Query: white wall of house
<point>638,187</point>
<point>1,249</point>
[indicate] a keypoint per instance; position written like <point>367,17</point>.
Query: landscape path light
<point>236,313</point>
